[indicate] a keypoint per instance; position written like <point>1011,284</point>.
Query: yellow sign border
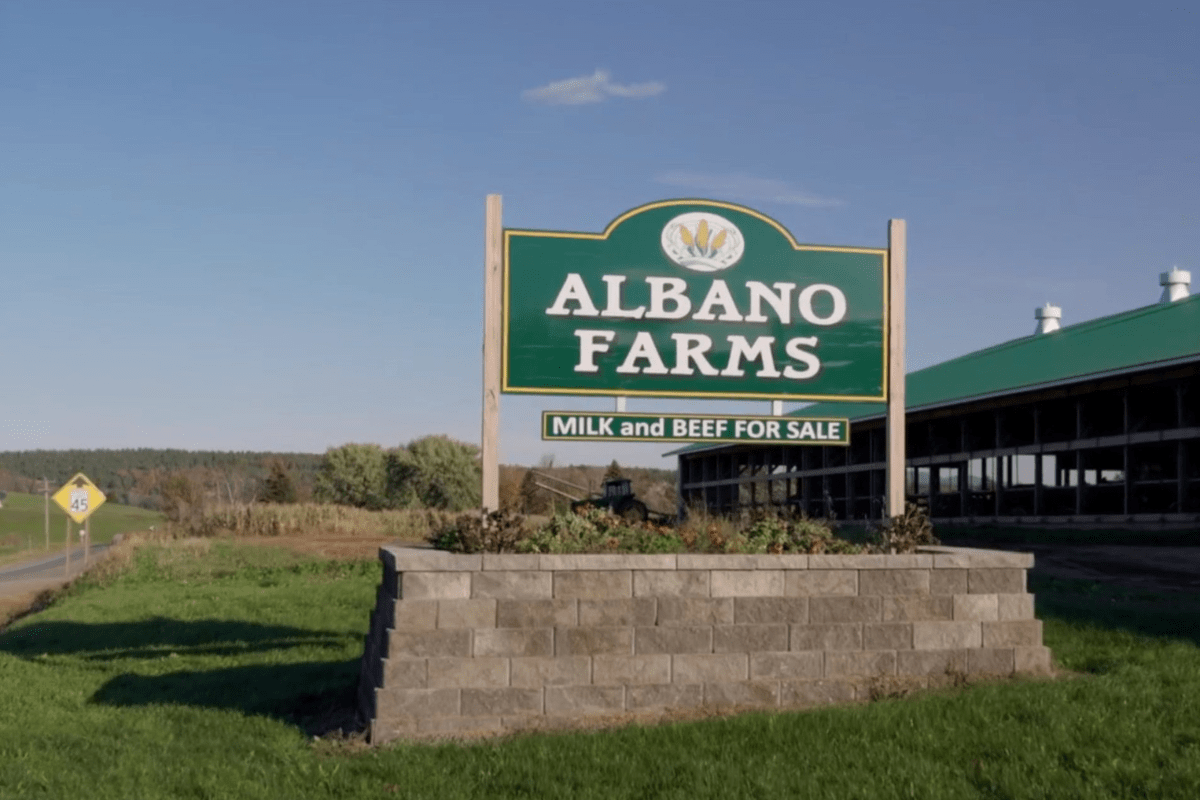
<point>93,492</point>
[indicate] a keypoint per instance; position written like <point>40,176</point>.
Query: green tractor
<point>619,499</point>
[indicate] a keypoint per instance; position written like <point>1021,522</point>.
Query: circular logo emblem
<point>703,242</point>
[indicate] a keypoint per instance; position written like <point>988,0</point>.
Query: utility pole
<point>46,494</point>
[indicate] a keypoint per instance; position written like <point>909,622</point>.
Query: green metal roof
<point>1163,332</point>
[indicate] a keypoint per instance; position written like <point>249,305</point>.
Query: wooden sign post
<point>493,259</point>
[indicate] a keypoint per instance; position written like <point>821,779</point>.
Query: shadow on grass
<point>1174,615</point>
<point>158,637</point>
<point>315,696</point>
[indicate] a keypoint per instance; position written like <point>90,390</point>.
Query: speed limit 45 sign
<point>79,497</point>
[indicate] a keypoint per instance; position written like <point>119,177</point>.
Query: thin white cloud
<point>594,88</point>
<point>746,187</point>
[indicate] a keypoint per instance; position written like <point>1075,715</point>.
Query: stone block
<point>931,662</point>
<point>946,635</point>
<point>531,673</point>
<point>593,585</point>
<point>683,583</point>
<point>480,613</point>
<point>710,561</point>
<point>821,583</point>
<point>676,639</point>
<point>826,637</point>
<point>845,609</point>
<point>415,615</point>
<point>459,725</point>
<point>631,670</point>
<point>585,699</point>
<point>1014,606</point>
<point>888,636</point>
<point>671,696</point>
<point>862,561</point>
<point>910,609</point>
<point>427,644</point>
<point>747,583</point>
<point>969,557</point>
<point>996,581</point>
<point>948,581</point>
<point>404,673</point>
<point>856,663</point>
<point>593,641</point>
<point>786,666</point>
<point>750,638</point>
<point>807,694</point>
<point>423,559</point>
<point>513,585</point>
<point>748,694</point>
<point>908,561</point>
<point>383,731</point>
<point>696,610</point>
<point>990,661</point>
<point>1013,633</point>
<point>1033,660</point>
<point>462,673</point>
<point>514,642</point>
<point>435,585</point>
<point>608,561</point>
<point>392,704</point>
<point>510,561</point>
<point>976,607</point>
<point>767,610</point>
<point>780,561</point>
<point>498,702</point>
<point>535,613</point>
<point>627,612</point>
<point>709,667</point>
<point>904,582</point>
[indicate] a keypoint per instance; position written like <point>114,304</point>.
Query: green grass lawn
<point>196,673</point>
<point>23,524</point>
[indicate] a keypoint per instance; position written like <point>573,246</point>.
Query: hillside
<point>23,523</point>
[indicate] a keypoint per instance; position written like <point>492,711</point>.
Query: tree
<point>435,472</point>
<point>278,486</point>
<point>181,498</point>
<point>613,472</point>
<point>353,475</point>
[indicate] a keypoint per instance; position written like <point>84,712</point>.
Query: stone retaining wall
<point>497,642</point>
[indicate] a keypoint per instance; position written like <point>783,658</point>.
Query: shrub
<point>499,532</point>
<point>906,532</point>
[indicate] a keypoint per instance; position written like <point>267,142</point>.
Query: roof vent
<point>1175,284</point>
<point>1047,317</point>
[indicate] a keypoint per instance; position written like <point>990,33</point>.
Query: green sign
<point>629,427</point>
<point>693,298</point>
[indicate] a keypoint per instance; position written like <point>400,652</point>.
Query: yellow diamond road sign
<point>79,497</point>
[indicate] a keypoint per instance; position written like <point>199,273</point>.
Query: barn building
<point>1092,423</point>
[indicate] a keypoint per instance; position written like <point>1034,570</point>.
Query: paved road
<point>47,572</point>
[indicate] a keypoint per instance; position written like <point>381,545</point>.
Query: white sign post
<point>895,376</point>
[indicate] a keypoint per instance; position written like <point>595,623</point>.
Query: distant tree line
<point>139,476</point>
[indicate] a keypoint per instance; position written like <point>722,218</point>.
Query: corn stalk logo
<point>703,242</point>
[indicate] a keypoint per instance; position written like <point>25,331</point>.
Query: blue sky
<point>258,225</point>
